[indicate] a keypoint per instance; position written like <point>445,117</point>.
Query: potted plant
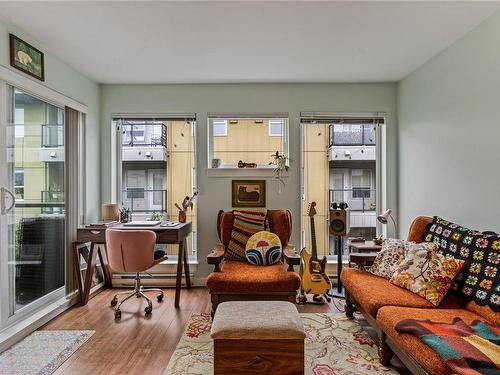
<point>280,165</point>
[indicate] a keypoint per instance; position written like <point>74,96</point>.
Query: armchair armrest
<point>216,257</point>
<point>291,257</point>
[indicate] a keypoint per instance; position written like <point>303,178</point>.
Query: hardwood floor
<point>136,344</point>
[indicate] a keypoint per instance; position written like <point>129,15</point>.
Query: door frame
<point>54,300</point>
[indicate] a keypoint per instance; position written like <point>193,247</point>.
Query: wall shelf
<point>243,172</point>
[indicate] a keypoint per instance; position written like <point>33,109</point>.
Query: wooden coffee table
<point>366,246</point>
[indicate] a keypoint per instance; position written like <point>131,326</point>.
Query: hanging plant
<point>280,164</point>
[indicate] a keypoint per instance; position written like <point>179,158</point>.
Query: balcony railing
<point>52,202</point>
<point>52,135</point>
<point>144,135</point>
<point>356,135</point>
<point>140,200</point>
<point>358,199</point>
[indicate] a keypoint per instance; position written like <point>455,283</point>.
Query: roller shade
<point>332,118</point>
<point>240,115</point>
<point>156,117</point>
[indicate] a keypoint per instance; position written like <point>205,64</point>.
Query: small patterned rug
<point>42,352</point>
<point>334,345</point>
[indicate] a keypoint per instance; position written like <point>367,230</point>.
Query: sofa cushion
<point>426,273</point>
<point>389,258</point>
<point>479,279</point>
<point>389,316</point>
<point>244,277</point>
<point>263,249</point>
<point>485,311</point>
<point>372,292</point>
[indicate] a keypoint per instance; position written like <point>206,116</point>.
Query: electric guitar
<point>314,278</point>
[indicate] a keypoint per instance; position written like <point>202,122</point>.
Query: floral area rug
<point>42,352</point>
<point>334,345</point>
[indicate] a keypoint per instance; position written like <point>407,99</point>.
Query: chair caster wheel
<point>114,302</point>
<point>160,298</point>
<point>118,314</point>
<point>148,310</point>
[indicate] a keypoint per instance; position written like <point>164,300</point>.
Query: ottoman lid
<point>257,320</point>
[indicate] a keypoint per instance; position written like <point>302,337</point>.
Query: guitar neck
<point>314,251</point>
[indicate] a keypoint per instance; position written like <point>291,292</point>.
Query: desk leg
<point>178,281</point>
<point>103,258</point>
<point>90,274</point>
<point>186,265</point>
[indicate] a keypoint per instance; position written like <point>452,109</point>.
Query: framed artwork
<point>26,58</point>
<point>248,193</point>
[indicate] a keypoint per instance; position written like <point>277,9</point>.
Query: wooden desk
<point>164,235</point>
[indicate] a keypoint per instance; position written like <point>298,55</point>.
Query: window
<point>19,122</point>
<point>19,184</point>
<point>220,128</point>
<point>275,128</point>
<point>246,139</point>
<point>361,183</point>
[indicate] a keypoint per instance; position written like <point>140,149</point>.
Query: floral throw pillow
<point>426,272</point>
<point>389,258</point>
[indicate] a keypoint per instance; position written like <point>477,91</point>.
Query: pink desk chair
<point>133,251</point>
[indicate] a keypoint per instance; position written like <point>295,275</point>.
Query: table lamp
<point>384,218</point>
<point>110,212</point>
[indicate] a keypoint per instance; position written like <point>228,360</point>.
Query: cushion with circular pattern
<point>263,248</point>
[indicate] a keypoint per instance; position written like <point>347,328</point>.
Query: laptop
<point>146,223</point>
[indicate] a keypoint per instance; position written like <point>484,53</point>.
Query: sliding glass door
<point>33,204</point>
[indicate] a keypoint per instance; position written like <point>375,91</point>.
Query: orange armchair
<point>241,281</point>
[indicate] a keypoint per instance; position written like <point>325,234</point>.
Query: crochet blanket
<point>466,349</point>
<point>246,223</point>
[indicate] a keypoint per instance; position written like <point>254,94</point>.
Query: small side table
<point>361,260</point>
<point>362,247</point>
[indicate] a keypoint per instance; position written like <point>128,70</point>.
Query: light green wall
<point>215,192</point>
<point>449,133</point>
<point>64,79</point>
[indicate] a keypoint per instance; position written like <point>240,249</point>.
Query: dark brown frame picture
<point>248,193</point>
<point>26,58</point>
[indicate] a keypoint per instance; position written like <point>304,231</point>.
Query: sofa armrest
<point>216,257</point>
<point>291,257</point>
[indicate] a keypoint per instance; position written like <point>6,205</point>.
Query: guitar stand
<point>316,299</point>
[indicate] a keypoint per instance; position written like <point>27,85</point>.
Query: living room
<point>164,114</point>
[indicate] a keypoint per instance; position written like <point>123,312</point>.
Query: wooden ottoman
<point>258,337</point>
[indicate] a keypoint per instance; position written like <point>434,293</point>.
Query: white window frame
<point>19,123</point>
<point>275,121</point>
<point>370,187</point>
<point>219,122</point>
<point>262,170</point>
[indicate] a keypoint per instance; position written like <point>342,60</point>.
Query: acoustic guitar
<point>314,278</point>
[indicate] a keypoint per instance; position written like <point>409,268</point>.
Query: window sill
<point>243,172</point>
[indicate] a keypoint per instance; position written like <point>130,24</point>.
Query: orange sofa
<point>384,304</point>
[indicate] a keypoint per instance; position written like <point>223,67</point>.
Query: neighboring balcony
<point>52,202</point>
<point>353,142</point>
<point>144,142</point>
<point>52,145</point>
<point>143,202</point>
<point>361,202</point>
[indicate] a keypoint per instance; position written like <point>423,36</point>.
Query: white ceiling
<point>170,42</point>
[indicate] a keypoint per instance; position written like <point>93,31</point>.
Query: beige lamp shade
<point>110,211</point>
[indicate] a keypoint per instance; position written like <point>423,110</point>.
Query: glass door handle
<point>3,193</point>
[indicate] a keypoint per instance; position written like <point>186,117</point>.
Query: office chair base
<point>139,291</point>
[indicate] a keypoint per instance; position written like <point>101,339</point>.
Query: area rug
<point>334,345</point>
<point>42,352</point>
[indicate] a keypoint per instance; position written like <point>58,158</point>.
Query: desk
<point>164,235</point>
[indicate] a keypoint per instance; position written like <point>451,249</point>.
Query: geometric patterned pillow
<point>479,279</point>
<point>389,258</point>
<point>426,272</point>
